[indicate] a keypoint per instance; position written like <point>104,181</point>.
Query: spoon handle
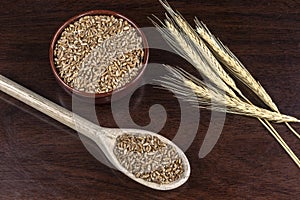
<point>49,108</point>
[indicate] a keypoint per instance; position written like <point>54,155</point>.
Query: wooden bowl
<point>102,97</point>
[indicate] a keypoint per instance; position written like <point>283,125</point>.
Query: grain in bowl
<point>98,53</point>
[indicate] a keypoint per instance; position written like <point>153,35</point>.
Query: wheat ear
<point>185,48</point>
<point>211,98</point>
<point>207,97</point>
<point>236,67</point>
<point>212,62</point>
<point>184,28</point>
<point>205,51</point>
<point>233,64</point>
<point>254,112</point>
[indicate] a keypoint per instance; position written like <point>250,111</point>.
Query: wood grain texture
<point>42,159</point>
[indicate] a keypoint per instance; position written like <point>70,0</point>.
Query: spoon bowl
<point>105,138</point>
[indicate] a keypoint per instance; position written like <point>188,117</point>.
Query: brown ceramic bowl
<point>103,97</point>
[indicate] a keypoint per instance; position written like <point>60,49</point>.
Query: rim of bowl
<point>106,94</point>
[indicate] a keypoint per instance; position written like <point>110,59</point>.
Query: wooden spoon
<point>105,138</point>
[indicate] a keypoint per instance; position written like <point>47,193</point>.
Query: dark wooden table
<point>42,159</point>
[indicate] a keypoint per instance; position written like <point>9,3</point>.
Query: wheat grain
<point>89,53</point>
<point>149,158</point>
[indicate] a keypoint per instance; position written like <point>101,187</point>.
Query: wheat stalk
<point>182,24</point>
<point>211,60</point>
<point>236,67</point>
<point>182,28</point>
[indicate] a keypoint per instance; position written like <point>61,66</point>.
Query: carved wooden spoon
<point>105,138</point>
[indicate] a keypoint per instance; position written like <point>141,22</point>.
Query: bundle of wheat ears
<point>208,55</point>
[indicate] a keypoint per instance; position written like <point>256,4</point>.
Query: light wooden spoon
<point>105,138</point>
